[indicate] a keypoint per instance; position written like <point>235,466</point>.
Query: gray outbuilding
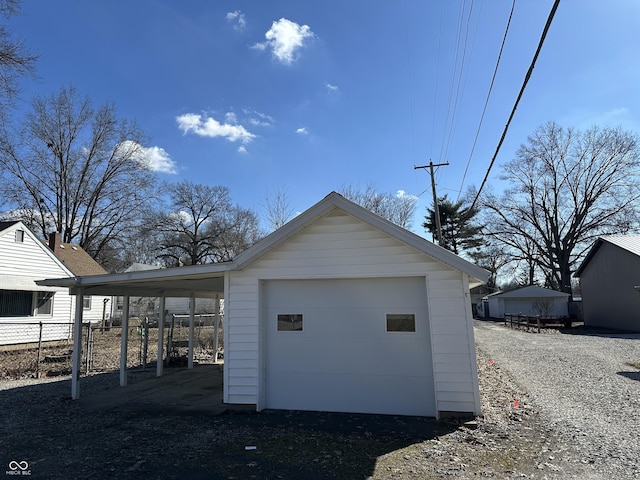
<point>609,276</point>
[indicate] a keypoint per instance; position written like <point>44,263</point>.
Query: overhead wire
<point>406,29</point>
<point>484,110</point>
<point>515,106</point>
<point>453,79</point>
<point>459,83</point>
<point>435,91</point>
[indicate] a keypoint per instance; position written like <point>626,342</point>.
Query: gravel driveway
<point>583,386</point>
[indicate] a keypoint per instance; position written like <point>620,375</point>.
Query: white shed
<point>531,300</point>
<point>339,310</point>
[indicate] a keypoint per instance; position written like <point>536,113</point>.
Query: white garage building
<point>338,310</point>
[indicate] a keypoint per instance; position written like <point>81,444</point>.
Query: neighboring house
<point>608,277</point>
<point>338,310</point>
<point>150,306</point>
<point>531,301</point>
<point>23,304</point>
<point>96,308</point>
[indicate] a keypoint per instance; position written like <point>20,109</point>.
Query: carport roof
<point>207,280</point>
<point>199,280</point>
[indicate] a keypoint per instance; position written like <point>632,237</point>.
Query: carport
<point>195,281</point>
<point>338,310</point>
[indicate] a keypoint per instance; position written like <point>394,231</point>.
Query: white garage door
<point>329,348</point>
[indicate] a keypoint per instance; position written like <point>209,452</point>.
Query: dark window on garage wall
<point>401,322</point>
<point>289,322</point>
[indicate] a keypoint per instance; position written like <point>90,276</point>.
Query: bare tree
<point>241,232</point>
<point>76,170</point>
<point>567,187</point>
<point>15,59</point>
<point>278,208</point>
<point>202,226</point>
<point>398,208</point>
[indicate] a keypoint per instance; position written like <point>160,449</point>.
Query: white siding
<point>454,358</point>
<point>31,259</point>
<point>94,314</point>
<point>341,246</point>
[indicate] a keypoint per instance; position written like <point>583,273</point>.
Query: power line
<point>454,122</point>
<point>453,78</point>
<point>406,29</point>
<point>495,71</point>
<point>515,106</point>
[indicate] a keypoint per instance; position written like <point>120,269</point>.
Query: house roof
<point>630,243</point>
<point>74,257</point>
<point>205,280</point>
<point>7,224</point>
<point>532,291</point>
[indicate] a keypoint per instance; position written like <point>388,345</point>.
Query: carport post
<point>160,363</point>
<point>77,347</point>
<point>124,341</point>
<point>215,328</point>
<point>192,311</point>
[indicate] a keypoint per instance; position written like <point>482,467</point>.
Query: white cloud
<point>230,117</point>
<point>331,88</point>
<point>257,118</point>
<point>155,159</point>
<point>302,131</point>
<point>159,160</point>
<point>242,149</point>
<point>237,19</point>
<point>285,38</point>
<point>210,127</point>
<point>403,194</point>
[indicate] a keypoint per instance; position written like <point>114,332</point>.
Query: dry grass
<point>104,347</point>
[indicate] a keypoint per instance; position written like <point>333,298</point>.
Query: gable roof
<point>78,261</point>
<point>204,279</point>
<point>74,257</point>
<point>532,291</point>
<point>630,243</point>
<point>335,201</point>
<point>6,224</point>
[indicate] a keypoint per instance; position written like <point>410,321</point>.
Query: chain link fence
<point>38,349</point>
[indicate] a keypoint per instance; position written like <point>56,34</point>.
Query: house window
<point>401,322</point>
<point>19,236</point>
<point>44,303</point>
<point>86,303</point>
<point>15,303</point>
<point>289,322</point>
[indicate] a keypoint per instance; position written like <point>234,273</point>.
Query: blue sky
<point>311,96</point>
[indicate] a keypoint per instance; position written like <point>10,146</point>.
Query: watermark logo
<point>18,468</point>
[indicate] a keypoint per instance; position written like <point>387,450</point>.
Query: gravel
<point>577,416</point>
<point>583,385</point>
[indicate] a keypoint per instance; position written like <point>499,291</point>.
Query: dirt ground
<point>104,351</point>
<point>58,439</point>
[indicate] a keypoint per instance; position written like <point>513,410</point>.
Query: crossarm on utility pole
<point>436,209</point>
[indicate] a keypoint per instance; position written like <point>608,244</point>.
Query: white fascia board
<point>335,200</point>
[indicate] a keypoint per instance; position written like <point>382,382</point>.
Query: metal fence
<point>37,349</point>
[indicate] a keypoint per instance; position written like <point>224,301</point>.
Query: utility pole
<point>436,209</point>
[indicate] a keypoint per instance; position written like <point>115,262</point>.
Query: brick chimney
<point>54,242</point>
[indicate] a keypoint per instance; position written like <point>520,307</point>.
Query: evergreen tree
<point>459,233</point>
